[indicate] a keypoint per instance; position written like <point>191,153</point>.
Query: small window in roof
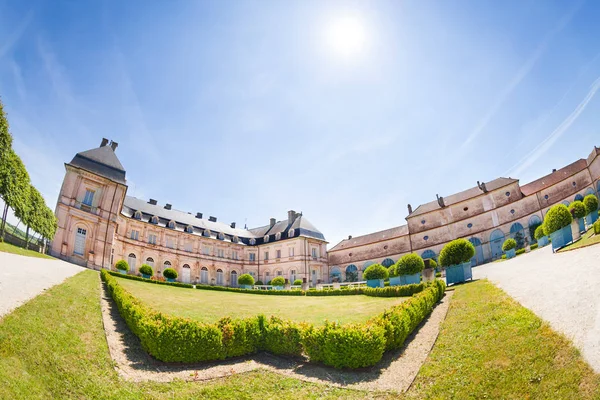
<point>221,236</point>
<point>252,241</point>
<point>154,220</point>
<point>137,215</point>
<point>172,224</point>
<point>291,233</point>
<point>266,238</point>
<point>278,236</point>
<point>206,233</point>
<point>235,239</point>
<point>189,229</point>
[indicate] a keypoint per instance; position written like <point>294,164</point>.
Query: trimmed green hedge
<point>539,232</point>
<point>245,279</point>
<point>278,281</point>
<point>591,203</point>
<point>175,339</point>
<point>297,282</point>
<point>597,227</point>
<point>519,252</point>
<point>139,278</point>
<point>509,244</point>
<point>122,265</point>
<point>557,217</point>
<point>410,264</point>
<point>577,209</point>
<point>534,246</point>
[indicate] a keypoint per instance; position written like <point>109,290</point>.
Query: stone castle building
<point>98,224</point>
<point>486,215</point>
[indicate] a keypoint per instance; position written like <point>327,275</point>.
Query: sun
<point>346,36</point>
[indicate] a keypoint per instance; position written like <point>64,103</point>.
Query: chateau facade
<point>486,215</point>
<point>98,224</point>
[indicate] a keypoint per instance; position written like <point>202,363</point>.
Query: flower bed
<point>175,339</point>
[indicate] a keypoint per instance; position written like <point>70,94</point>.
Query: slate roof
<point>553,178</point>
<point>101,161</point>
<point>462,196</point>
<point>372,238</point>
<point>301,226</point>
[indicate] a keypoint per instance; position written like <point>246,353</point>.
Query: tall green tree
<point>14,186</point>
<point>5,136</point>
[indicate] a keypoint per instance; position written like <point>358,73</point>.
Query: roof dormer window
<point>252,241</point>
<point>266,239</point>
<point>206,233</point>
<point>220,236</point>
<point>154,220</point>
<point>189,229</point>
<point>171,225</point>
<point>278,236</point>
<point>137,215</point>
<point>291,233</point>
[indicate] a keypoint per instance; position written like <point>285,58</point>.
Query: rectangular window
<point>314,252</point>
<point>252,256</point>
<point>188,247</point>
<point>170,242</point>
<point>266,255</point>
<point>152,239</point>
<point>135,235</point>
<point>89,197</point>
<point>291,251</point>
<point>220,253</point>
<point>234,254</point>
<point>278,254</point>
<point>252,273</point>
<point>279,273</point>
<point>206,250</point>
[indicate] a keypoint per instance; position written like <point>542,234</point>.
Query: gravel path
<point>561,288</point>
<point>395,372</point>
<point>22,278</point>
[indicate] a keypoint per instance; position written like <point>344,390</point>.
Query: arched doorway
<point>79,247</point>
<point>533,223</point>
<point>234,279</point>
<point>220,277</point>
<point>566,202</point>
<point>578,197</point>
<point>478,257</point>
<point>388,262</point>
<point>204,275</point>
<point>185,273</point>
<point>518,233</point>
<point>428,254</point>
<point>351,273</point>
<point>150,261</point>
<point>131,261</point>
<point>335,275</point>
<point>496,240</point>
<point>589,191</point>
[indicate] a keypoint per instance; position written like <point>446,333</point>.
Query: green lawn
<point>491,347</point>
<point>587,239</point>
<point>9,248</point>
<point>210,306</point>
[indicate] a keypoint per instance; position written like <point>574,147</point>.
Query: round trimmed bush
<point>259,283</point>
<point>278,281</point>
<point>539,232</point>
<point>457,252</point>
<point>509,244</point>
<point>146,269</point>
<point>375,271</point>
<point>392,271</point>
<point>298,282</point>
<point>245,279</point>
<point>591,203</point>
<point>122,265</point>
<point>432,263</point>
<point>577,209</point>
<point>410,264</point>
<point>557,217</point>
<point>170,273</point>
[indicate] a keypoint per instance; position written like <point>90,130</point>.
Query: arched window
<point>292,276</point>
<point>131,261</point>
<point>252,241</point>
<point>578,197</point>
<point>233,278</point>
<point>154,220</point>
<point>150,261</point>
<point>278,236</point>
<point>166,264</point>
<point>589,191</point>
<point>291,233</point>
<point>219,277</point>
<point>518,233</point>
<point>336,274</point>
<point>351,273</point>
<point>171,225</point>
<point>566,202</point>
<point>204,275</point>
<point>478,257</point>
<point>388,262</point>
<point>137,215</point>
<point>367,264</point>
<point>189,229</point>
<point>428,254</point>
<point>266,239</point>
<point>496,240</point>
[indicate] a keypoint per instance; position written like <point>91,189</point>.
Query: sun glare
<point>346,36</point>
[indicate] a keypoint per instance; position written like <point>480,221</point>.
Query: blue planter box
<point>122,271</point>
<point>170,280</point>
<point>561,237</point>
<point>581,223</point>
<point>543,241</point>
<point>410,279</point>
<point>395,281</point>
<point>591,218</point>
<point>245,286</point>
<point>278,287</point>
<point>375,283</point>
<point>459,273</point>
<point>510,253</point>
<point>146,276</point>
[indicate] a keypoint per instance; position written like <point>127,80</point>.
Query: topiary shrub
<point>259,283</point>
<point>245,279</point>
<point>392,272</point>
<point>146,269</point>
<point>591,203</point>
<point>122,265</point>
<point>432,263</point>
<point>577,209</point>
<point>170,273</point>
<point>539,232</point>
<point>298,282</point>
<point>410,264</point>
<point>534,246</point>
<point>557,217</point>
<point>597,227</point>
<point>457,252</point>
<point>278,281</point>
<point>509,244</point>
<point>519,252</point>
<point>375,271</point>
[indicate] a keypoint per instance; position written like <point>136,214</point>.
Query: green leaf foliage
<point>170,273</point>
<point>5,136</point>
<point>14,182</point>
<point>278,281</point>
<point>557,217</point>
<point>432,263</point>
<point>146,269</point>
<point>409,264</point>
<point>246,279</point>
<point>122,265</point>
<point>456,252</point>
<point>577,209</point>
<point>375,271</point>
<point>509,244</point>
<point>298,282</point>
<point>154,281</point>
<point>591,203</point>
<point>539,232</point>
<point>597,227</point>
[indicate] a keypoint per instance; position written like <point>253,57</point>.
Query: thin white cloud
<point>545,145</point>
<point>521,74</point>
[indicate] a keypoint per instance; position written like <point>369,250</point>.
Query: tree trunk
<point>3,220</point>
<point>15,230</point>
<point>27,237</point>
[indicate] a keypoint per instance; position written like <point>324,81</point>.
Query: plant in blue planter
<point>375,275</point>
<point>170,274</point>
<point>456,258</point>
<point>540,236</point>
<point>278,283</point>
<point>409,269</point>
<point>394,278</point>
<point>557,225</point>
<point>146,271</point>
<point>122,266</point>
<point>509,247</point>
<point>591,209</point>
<point>246,281</point>
<point>577,210</point>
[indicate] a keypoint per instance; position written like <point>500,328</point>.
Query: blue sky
<point>245,109</point>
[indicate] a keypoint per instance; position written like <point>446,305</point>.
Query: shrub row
<point>139,278</point>
<point>520,251</point>
<point>597,227</point>
<point>534,246</point>
<point>175,339</point>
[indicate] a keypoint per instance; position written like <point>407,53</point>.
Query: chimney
<point>212,219</point>
<point>199,215</point>
<point>233,225</point>
<point>291,216</point>
<point>409,209</point>
<point>553,170</point>
<point>152,201</point>
<point>440,200</point>
<point>272,222</point>
<point>104,142</point>
<point>349,237</point>
<point>113,145</point>
<point>167,206</point>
